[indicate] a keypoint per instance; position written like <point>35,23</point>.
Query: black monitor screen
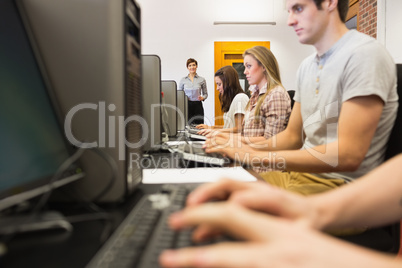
<point>32,145</point>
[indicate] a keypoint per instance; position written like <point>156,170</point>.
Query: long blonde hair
<point>265,58</point>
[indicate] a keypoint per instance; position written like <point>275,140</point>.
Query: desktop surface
<point>77,248</point>
<point>49,249</point>
<point>67,249</point>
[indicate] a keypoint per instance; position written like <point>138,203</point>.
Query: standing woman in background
<point>233,101</point>
<point>195,88</point>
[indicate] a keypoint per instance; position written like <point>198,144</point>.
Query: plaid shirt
<point>273,117</point>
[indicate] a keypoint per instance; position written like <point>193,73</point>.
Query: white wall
<point>176,30</point>
<point>393,27</point>
<point>390,27</point>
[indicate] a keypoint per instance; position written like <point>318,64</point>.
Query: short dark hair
<point>343,8</point>
<point>191,60</point>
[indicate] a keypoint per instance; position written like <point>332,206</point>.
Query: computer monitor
<point>186,108</point>
<point>32,143</point>
<point>152,99</point>
<point>169,107</point>
<point>92,53</point>
<point>181,110</point>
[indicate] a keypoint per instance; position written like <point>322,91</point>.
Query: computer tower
<point>92,54</point>
<point>181,110</point>
<point>169,107</point>
<point>151,101</point>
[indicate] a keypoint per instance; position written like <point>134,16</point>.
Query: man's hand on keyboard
<point>229,145</point>
<point>205,131</point>
<point>263,240</point>
<point>219,142</point>
<point>259,196</point>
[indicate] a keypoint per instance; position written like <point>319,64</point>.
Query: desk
<point>62,249</point>
<point>51,249</point>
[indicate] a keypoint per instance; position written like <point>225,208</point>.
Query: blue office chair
<point>387,238</point>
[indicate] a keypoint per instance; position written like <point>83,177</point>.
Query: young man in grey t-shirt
<point>345,106</point>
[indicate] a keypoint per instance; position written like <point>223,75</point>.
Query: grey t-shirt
<point>357,65</point>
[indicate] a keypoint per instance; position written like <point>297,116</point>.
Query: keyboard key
<point>145,233</point>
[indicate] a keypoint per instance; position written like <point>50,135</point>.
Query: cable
<point>63,167</point>
<point>95,213</point>
<point>165,117</point>
<point>114,169</point>
<point>100,213</point>
<point>105,216</point>
<point>44,198</point>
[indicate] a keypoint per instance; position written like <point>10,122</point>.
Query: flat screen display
<point>32,144</point>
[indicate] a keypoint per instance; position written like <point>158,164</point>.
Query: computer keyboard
<point>144,234</point>
<point>194,152</point>
<point>196,137</point>
<point>192,130</point>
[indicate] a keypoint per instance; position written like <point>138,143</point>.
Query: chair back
<point>291,94</point>
<point>395,139</point>
<point>386,238</point>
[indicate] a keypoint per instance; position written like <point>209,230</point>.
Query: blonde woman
<point>268,110</point>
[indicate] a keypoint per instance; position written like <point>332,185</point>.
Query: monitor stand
<point>47,220</point>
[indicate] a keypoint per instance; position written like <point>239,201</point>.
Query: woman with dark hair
<point>233,101</point>
<point>195,88</point>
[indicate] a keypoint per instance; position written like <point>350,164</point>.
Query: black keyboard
<point>195,152</point>
<point>193,130</point>
<point>144,234</point>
